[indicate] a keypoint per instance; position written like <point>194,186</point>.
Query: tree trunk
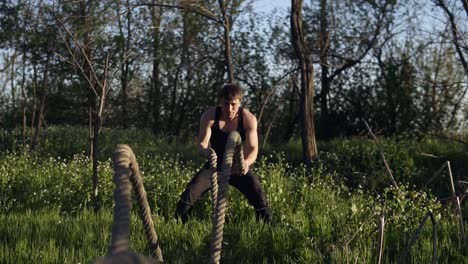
<point>227,42</point>
<point>185,62</point>
<point>293,115</point>
<point>90,130</point>
<point>309,147</point>
<point>44,91</point>
<point>13,87</point>
<point>25,101</point>
<point>173,106</point>
<point>125,66</point>
<point>156,73</point>
<point>95,143</point>
<point>325,81</point>
<point>34,102</point>
<point>90,83</point>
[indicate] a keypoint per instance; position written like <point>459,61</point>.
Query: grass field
<point>46,215</point>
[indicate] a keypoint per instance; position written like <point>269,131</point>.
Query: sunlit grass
<point>315,221</point>
<point>327,216</point>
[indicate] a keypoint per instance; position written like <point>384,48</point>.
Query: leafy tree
<point>398,95</point>
<point>83,40</point>
<point>442,88</point>
<point>344,34</point>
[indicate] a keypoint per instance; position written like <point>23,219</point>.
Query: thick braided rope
<point>233,147</point>
<point>126,169</point>
<point>145,211</point>
<point>214,182</point>
<point>123,205</point>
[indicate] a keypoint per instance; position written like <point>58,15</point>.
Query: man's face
<point>230,107</point>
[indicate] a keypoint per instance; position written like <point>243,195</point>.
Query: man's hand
<point>245,168</point>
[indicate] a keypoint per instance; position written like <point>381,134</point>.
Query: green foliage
<point>67,141</point>
<point>412,161</point>
<point>31,182</point>
<point>360,162</point>
<point>166,65</point>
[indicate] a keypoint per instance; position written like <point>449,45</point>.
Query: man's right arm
<point>204,133</point>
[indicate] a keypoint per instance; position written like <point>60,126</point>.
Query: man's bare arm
<point>204,133</point>
<point>251,141</point>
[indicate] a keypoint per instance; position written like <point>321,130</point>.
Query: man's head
<point>230,92</point>
<point>230,97</point>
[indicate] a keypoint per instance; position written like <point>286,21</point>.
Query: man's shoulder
<point>209,115</point>
<point>249,118</point>
<point>247,113</point>
<point>211,111</point>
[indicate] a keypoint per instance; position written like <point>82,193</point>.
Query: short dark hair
<point>230,92</point>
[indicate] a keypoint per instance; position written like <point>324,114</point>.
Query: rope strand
<point>233,148</point>
<point>214,182</point>
<point>126,170</point>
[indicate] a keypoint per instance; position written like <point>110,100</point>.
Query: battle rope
<point>214,182</point>
<point>233,152</point>
<point>126,169</point>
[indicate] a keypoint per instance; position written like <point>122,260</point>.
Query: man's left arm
<point>251,141</point>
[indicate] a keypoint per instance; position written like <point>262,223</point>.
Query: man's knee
<point>199,184</point>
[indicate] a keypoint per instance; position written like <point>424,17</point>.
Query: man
<point>215,125</point>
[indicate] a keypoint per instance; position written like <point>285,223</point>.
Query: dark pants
<point>247,184</point>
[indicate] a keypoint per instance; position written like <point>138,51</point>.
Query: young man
<point>215,125</point>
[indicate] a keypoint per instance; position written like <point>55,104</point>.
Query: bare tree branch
<point>370,44</point>
<point>465,5</point>
<point>104,87</point>
<point>389,171</point>
<point>455,31</point>
<point>76,62</point>
<point>197,9</point>
<point>272,90</point>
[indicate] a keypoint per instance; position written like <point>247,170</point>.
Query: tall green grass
<point>46,217</point>
<point>412,161</point>
<point>315,221</point>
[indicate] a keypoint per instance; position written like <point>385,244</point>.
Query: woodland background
<point>399,65</point>
<point>79,77</point>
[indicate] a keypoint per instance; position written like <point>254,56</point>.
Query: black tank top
<point>219,138</point>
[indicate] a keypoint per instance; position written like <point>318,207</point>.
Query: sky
<point>268,5</point>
